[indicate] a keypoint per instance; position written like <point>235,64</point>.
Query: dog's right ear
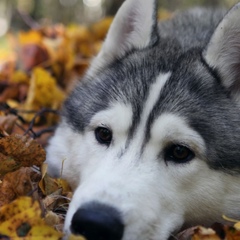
<point>134,27</point>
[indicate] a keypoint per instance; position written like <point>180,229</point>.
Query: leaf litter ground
<point>45,62</point>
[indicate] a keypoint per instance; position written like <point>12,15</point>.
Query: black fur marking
<point>194,90</point>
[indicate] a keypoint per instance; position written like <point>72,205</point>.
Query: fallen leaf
<point>15,184</point>
<point>237,226</point>
<point>30,37</point>
<point>216,232</point>
<point>52,218</point>
<point>202,233</point>
<point>100,29</point>
<point>7,123</point>
<point>47,184</point>
<point>74,237</point>
<point>22,218</point>
<point>19,151</point>
<point>7,164</point>
<point>43,92</point>
<point>10,210</point>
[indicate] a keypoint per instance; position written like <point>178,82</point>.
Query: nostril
<point>97,221</point>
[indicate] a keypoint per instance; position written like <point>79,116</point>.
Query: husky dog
<point>150,138</point>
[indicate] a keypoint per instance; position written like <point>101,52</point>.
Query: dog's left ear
<point>223,51</point>
<point>134,27</point>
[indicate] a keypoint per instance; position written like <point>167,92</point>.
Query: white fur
<point>131,29</point>
<point>152,196</point>
<point>153,95</point>
<point>223,51</point>
<point>155,198</point>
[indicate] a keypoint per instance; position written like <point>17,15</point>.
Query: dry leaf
<point>19,151</point>
<point>100,29</point>
<point>22,218</point>
<point>74,237</point>
<point>50,201</point>
<point>7,164</point>
<point>52,219</point>
<point>237,226</point>
<point>47,184</point>
<point>217,232</point>
<point>202,233</point>
<point>15,184</point>
<point>43,92</point>
<point>30,37</point>
<point>10,210</point>
<point>20,77</point>
<point>7,123</point>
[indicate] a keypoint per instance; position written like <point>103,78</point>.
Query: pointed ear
<point>223,51</point>
<point>134,27</point>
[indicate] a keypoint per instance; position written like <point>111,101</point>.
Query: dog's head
<point>149,139</point>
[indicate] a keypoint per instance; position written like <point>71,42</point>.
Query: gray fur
<point>192,28</point>
<point>194,90</point>
<point>161,89</point>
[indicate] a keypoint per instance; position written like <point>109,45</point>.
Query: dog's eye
<point>178,154</point>
<point>103,135</point>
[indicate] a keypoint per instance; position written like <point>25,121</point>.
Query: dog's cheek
<point>56,153</point>
<point>61,154</point>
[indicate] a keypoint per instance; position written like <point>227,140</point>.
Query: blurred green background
<point>19,14</point>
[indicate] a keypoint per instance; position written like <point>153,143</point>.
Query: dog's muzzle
<point>97,221</point>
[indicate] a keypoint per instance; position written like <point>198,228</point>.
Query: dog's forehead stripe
<point>148,105</point>
<point>153,96</point>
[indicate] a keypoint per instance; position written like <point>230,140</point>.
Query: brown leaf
<point>47,184</point>
<point>202,233</point>
<point>185,234</point>
<point>7,123</point>
<point>52,219</point>
<point>11,91</point>
<point>33,55</point>
<point>19,151</point>
<point>216,232</point>
<point>15,184</point>
<point>7,164</point>
<point>27,150</point>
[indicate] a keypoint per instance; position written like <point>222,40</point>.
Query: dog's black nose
<point>97,221</point>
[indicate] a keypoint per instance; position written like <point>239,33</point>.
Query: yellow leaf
<point>64,185</point>
<point>15,207</point>
<point>100,28</point>
<point>43,89</point>
<point>78,33</point>
<point>43,92</point>
<point>74,237</point>
<point>237,226</point>
<point>43,232</point>
<point>30,37</point>
<point>22,219</point>
<point>20,77</point>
